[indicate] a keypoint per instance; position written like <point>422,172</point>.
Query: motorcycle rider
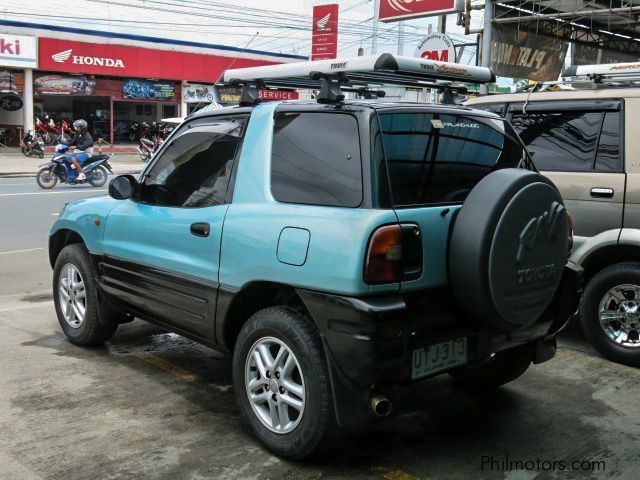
<point>84,147</point>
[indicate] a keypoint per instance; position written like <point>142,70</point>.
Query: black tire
<point>501,368</point>
<point>41,153</point>
<point>100,322</point>
<point>99,176</point>
<point>24,150</point>
<point>46,178</point>
<point>299,334</point>
<point>627,273</point>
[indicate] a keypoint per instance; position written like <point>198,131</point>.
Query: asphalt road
<point>150,404</point>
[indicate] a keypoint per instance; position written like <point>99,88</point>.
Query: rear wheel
<point>46,178</point>
<point>500,368</point>
<point>282,382</point>
<point>83,319</point>
<point>610,312</point>
<point>98,177</point>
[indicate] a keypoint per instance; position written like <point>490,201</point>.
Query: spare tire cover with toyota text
<point>508,249</point>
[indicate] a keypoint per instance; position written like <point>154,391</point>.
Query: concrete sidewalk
<point>14,164</point>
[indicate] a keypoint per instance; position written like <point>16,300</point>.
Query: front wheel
<point>610,312</point>
<point>282,382</point>
<point>75,293</point>
<point>46,178</point>
<point>98,177</point>
<point>500,368</point>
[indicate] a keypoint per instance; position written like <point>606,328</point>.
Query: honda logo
<point>63,56</point>
<point>322,23</point>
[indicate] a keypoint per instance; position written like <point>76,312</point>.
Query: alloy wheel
<point>72,295</point>
<point>275,385</point>
<point>619,315</point>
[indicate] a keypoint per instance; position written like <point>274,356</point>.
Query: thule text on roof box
<point>360,73</point>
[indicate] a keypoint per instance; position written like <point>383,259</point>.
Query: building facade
<point>109,79</point>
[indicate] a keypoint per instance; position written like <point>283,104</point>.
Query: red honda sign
<point>118,60</point>
<point>394,10</point>
<point>324,34</point>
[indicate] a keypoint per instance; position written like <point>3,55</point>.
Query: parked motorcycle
<point>148,147</point>
<point>31,146</point>
<point>134,131</point>
<point>96,168</point>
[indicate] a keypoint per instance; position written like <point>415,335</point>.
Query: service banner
<point>148,90</point>
<point>324,33</point>
<point>198,93</point>
<point>53,84</point>
<point>232,94</point>
<point>519,54</point>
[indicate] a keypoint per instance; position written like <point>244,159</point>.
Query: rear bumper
<point>370,341</point>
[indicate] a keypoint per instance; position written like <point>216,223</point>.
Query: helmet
<point>82,124</point>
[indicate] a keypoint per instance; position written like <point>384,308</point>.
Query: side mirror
<point>123,187</point>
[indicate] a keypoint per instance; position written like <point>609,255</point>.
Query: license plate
<point>439,357</point>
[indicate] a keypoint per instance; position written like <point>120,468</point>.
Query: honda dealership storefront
<point>112,80</point>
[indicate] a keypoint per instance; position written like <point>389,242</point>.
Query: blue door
<point>161,250</point>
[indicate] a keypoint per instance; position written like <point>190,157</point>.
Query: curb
<point>33,174</point>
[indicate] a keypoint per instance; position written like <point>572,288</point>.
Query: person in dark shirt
<point>84,147</point>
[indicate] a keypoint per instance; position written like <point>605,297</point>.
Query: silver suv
<point>587,141</point>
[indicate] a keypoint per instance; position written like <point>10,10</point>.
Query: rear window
<point>315,159</point>
<point>434,158</point>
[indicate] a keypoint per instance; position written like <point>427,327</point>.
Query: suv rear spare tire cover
<point>508,248</point>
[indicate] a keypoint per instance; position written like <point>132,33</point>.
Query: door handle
<point>200,229</point>
<point>602,192</point>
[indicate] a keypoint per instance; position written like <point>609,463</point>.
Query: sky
<point>279,26</point>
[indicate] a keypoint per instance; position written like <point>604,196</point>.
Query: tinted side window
<point>194,171</point>
<point>564,141</point>
<point>315,159</point>
<point>609,158</point>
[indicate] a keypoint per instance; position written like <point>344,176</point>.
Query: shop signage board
<point>395,10</point>
<point>523,54</point>
<point>123,61</point>
<point>324,33</point>
<point>53,84</point>
<point>198,93</point>
<point>18,51</point>
<point>148,90</point>
<point>232,94</point>
<point>11,103</point>
<point>436,46</point>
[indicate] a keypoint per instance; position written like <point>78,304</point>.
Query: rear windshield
<point>434,158</point>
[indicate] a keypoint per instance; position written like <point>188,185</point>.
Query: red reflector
<point>383,262</point>
<point>570,230</point>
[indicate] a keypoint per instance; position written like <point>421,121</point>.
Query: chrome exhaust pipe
<point>381,405</point>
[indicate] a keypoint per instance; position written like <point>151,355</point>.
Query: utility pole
<point>400,37</point>
<point>374,36</point>
<point>487,33</point>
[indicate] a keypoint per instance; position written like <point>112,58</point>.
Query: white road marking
<point>23,251</point>
<point>50,193</point>
<point>55,214</point>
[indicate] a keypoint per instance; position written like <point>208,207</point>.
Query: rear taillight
<point>394,254</point>
<point>570,230</point>
<point>383,263</point>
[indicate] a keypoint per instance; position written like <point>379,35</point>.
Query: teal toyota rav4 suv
<point>335,249</point>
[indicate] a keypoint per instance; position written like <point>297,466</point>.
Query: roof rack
<point>360,73</point>
<point>608,73</point>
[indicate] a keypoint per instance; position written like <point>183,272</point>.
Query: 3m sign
<point>324,34</point>
<point>394,10</point>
